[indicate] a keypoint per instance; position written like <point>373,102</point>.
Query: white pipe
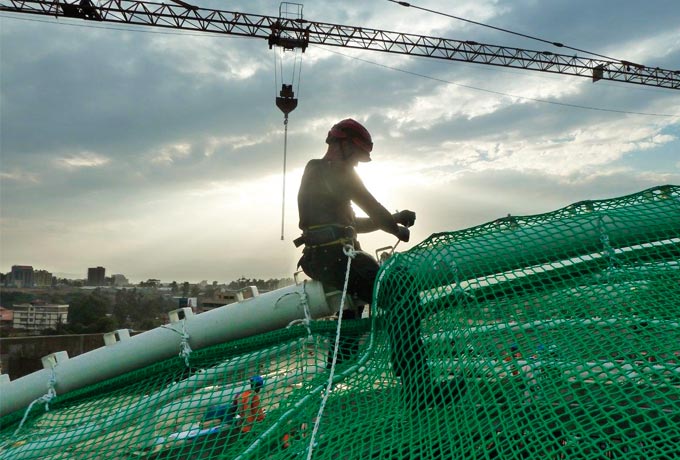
<point>266,312</point>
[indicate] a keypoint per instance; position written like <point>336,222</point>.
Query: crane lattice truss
<point>299,33</point>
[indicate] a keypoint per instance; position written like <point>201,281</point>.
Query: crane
<point>298,33</point>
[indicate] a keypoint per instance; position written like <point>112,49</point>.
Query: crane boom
<point>299,33</point>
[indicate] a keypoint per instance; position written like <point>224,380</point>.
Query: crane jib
<point>300,33</point>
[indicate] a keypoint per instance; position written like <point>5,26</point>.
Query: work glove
<point>405,217</point>
<point>403,234</point>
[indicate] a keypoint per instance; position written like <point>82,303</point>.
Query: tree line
<point>134,308</point>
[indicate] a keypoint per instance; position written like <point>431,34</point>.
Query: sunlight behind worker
<point>328,188</point>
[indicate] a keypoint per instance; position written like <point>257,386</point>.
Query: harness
<point>325,235</point>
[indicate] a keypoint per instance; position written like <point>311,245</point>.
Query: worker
<point>328,188</point>
<point>249,404</point>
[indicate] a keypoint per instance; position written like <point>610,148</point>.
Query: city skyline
<point>159,153</point>
<point>76,277</point>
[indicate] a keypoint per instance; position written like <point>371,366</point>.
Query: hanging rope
<point>349,251</point>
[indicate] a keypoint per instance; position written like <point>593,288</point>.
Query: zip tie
<point>46,398</point>
<point>350,252</point>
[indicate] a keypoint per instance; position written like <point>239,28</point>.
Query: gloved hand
<point>403,234</point>
<point>405,217</point>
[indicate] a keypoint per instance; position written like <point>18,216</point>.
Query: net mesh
<point>548,336</point>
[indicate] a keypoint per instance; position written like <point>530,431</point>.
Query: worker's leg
<point>329,265</point>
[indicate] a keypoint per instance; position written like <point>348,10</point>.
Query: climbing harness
<point>326,235</point>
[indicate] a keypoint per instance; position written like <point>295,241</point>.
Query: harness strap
<point>326,235</point>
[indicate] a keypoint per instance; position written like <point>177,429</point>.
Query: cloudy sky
<point>159,153</point>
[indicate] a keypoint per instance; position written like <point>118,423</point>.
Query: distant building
<point>119,280</point>
<point>6,317</point>
<point>184,302</point>
<point>225,297</point>
<point>96,276</point>
<point>21,276</point>
<point>35,318</point>
<point>42,278</point>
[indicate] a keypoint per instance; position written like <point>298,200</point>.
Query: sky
<point>158,153</point>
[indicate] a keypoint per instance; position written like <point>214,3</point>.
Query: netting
<point>551,336</point>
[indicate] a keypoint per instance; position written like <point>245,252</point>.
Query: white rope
<point>307,320</point>
<point>349,251</point>
<point>184,347</point>
<point>46,398</point>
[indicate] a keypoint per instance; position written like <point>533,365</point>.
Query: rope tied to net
<point>304,301</point>
<point>184,347</point>
<point>609,252</point>
<point>46,398</point>
<point>350,252</point>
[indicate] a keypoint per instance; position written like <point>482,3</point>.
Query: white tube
<point>263,313</point>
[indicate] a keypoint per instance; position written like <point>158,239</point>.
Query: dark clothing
<point>326,192</point>
<point>324,202</point>
<point>328,264</point>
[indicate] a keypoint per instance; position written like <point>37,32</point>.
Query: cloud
<point>82,160</point>
<point>20,176</point>
<point>169,148</point>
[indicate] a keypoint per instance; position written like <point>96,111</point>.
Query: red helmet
<point>352,130</point>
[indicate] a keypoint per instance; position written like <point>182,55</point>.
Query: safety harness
<point>326,235</point>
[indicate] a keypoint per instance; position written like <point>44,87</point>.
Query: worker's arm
<point>378,218</point>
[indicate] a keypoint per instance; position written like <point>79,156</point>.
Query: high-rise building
<point>119,280</point>
<point>22,276</point>
<point>42,278</point>
<point>96,276</point>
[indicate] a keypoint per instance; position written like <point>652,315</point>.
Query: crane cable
<point>557,44</point>
<point>283,191</point>
<point>286,102</point>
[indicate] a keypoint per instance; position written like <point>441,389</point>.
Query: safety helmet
<point>354,131</point>
<point>256,381</point>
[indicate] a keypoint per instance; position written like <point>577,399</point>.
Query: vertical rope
<point>185,348</point>
<point>350,253</point>
<point>285,152</point>
<point>307,320</point>
<point>276,79</point>
<point>608,251</point>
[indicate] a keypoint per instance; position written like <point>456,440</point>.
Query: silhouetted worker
<point>328,188</point>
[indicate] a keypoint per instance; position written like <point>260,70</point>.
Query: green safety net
<point>553,336</point>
